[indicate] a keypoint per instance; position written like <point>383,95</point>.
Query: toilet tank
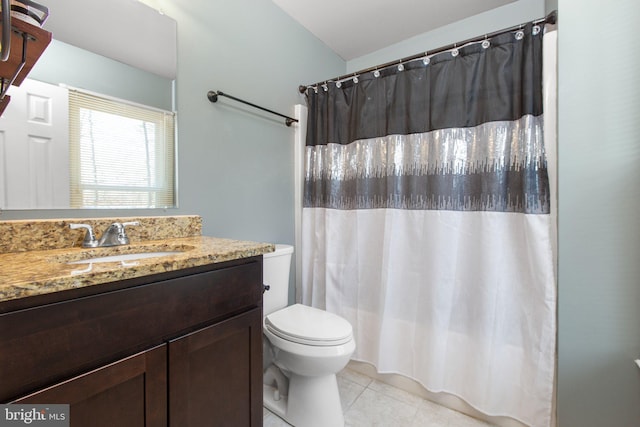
<point>276,268</point>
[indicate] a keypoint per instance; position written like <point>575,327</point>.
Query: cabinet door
<point>215,374</point>
<point>129,392</point>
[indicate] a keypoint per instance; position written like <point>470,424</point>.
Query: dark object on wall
<point>213,97</point>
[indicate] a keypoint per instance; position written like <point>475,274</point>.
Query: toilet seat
<point>310,326</point>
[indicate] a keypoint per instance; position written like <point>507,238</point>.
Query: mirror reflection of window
<point>121,154</point>
<point>62,148</point>
<point>85,53</point>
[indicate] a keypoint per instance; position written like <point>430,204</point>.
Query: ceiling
<point>353,28</point>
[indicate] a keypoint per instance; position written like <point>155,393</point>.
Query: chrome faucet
<point>90,240</point>
<point>115,235</point>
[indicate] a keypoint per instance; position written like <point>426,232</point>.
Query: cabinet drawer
<point>50,343</point>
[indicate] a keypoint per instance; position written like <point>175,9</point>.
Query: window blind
<point>121,154</point>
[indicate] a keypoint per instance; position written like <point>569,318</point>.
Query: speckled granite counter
<point>38,272</point>
<point>43,234</point>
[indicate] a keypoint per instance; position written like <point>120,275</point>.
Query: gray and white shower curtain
<point>428,222</point>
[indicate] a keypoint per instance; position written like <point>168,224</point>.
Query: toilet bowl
<point>304,347</point>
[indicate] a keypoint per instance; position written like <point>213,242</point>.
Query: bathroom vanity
<point>180,347</point>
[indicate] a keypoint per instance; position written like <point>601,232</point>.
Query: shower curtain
<point>427,222</point>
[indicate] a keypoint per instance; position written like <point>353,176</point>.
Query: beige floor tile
<point>433,415</point>
<point>373,409</point>
<point>372,403</point>
<point>349,392</point>
<point>396,393</point>
<point>354,376</point>
<point>272,420</point>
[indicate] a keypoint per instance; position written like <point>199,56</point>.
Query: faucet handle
<point>90,240</point>
<point>123,235</point>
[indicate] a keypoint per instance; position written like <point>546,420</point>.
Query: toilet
<point>304,348</point>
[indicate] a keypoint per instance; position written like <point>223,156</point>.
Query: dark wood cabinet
<point>28,42</point>
<point>211,372</point>
<point>128,393</point>
<point>179,349</point>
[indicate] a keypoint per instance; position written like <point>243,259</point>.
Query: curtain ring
<point>455,51</point>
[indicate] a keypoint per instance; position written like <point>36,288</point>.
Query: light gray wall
<point>236,163</point>
<point>599,213</point>
<point>102,75</point>
<point>502,17</point>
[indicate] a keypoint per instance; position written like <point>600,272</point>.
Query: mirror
<point>122,49</point>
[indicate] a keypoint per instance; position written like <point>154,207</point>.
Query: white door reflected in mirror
<point>34,148</point>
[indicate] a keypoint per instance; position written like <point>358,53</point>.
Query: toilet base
<point>312,402</point>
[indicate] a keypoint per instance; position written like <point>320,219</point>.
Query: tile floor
<point>368,403</point>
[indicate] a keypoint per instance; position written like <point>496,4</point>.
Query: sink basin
<point>125,257</point>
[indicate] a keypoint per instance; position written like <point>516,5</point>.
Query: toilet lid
<point>307,325</point>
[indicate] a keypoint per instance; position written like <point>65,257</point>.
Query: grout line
<point>344,410</point>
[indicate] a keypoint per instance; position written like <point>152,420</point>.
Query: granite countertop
<point>38,272</point>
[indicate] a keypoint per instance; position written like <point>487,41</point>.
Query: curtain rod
<point>550,19</point>
<point>213,97</point>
